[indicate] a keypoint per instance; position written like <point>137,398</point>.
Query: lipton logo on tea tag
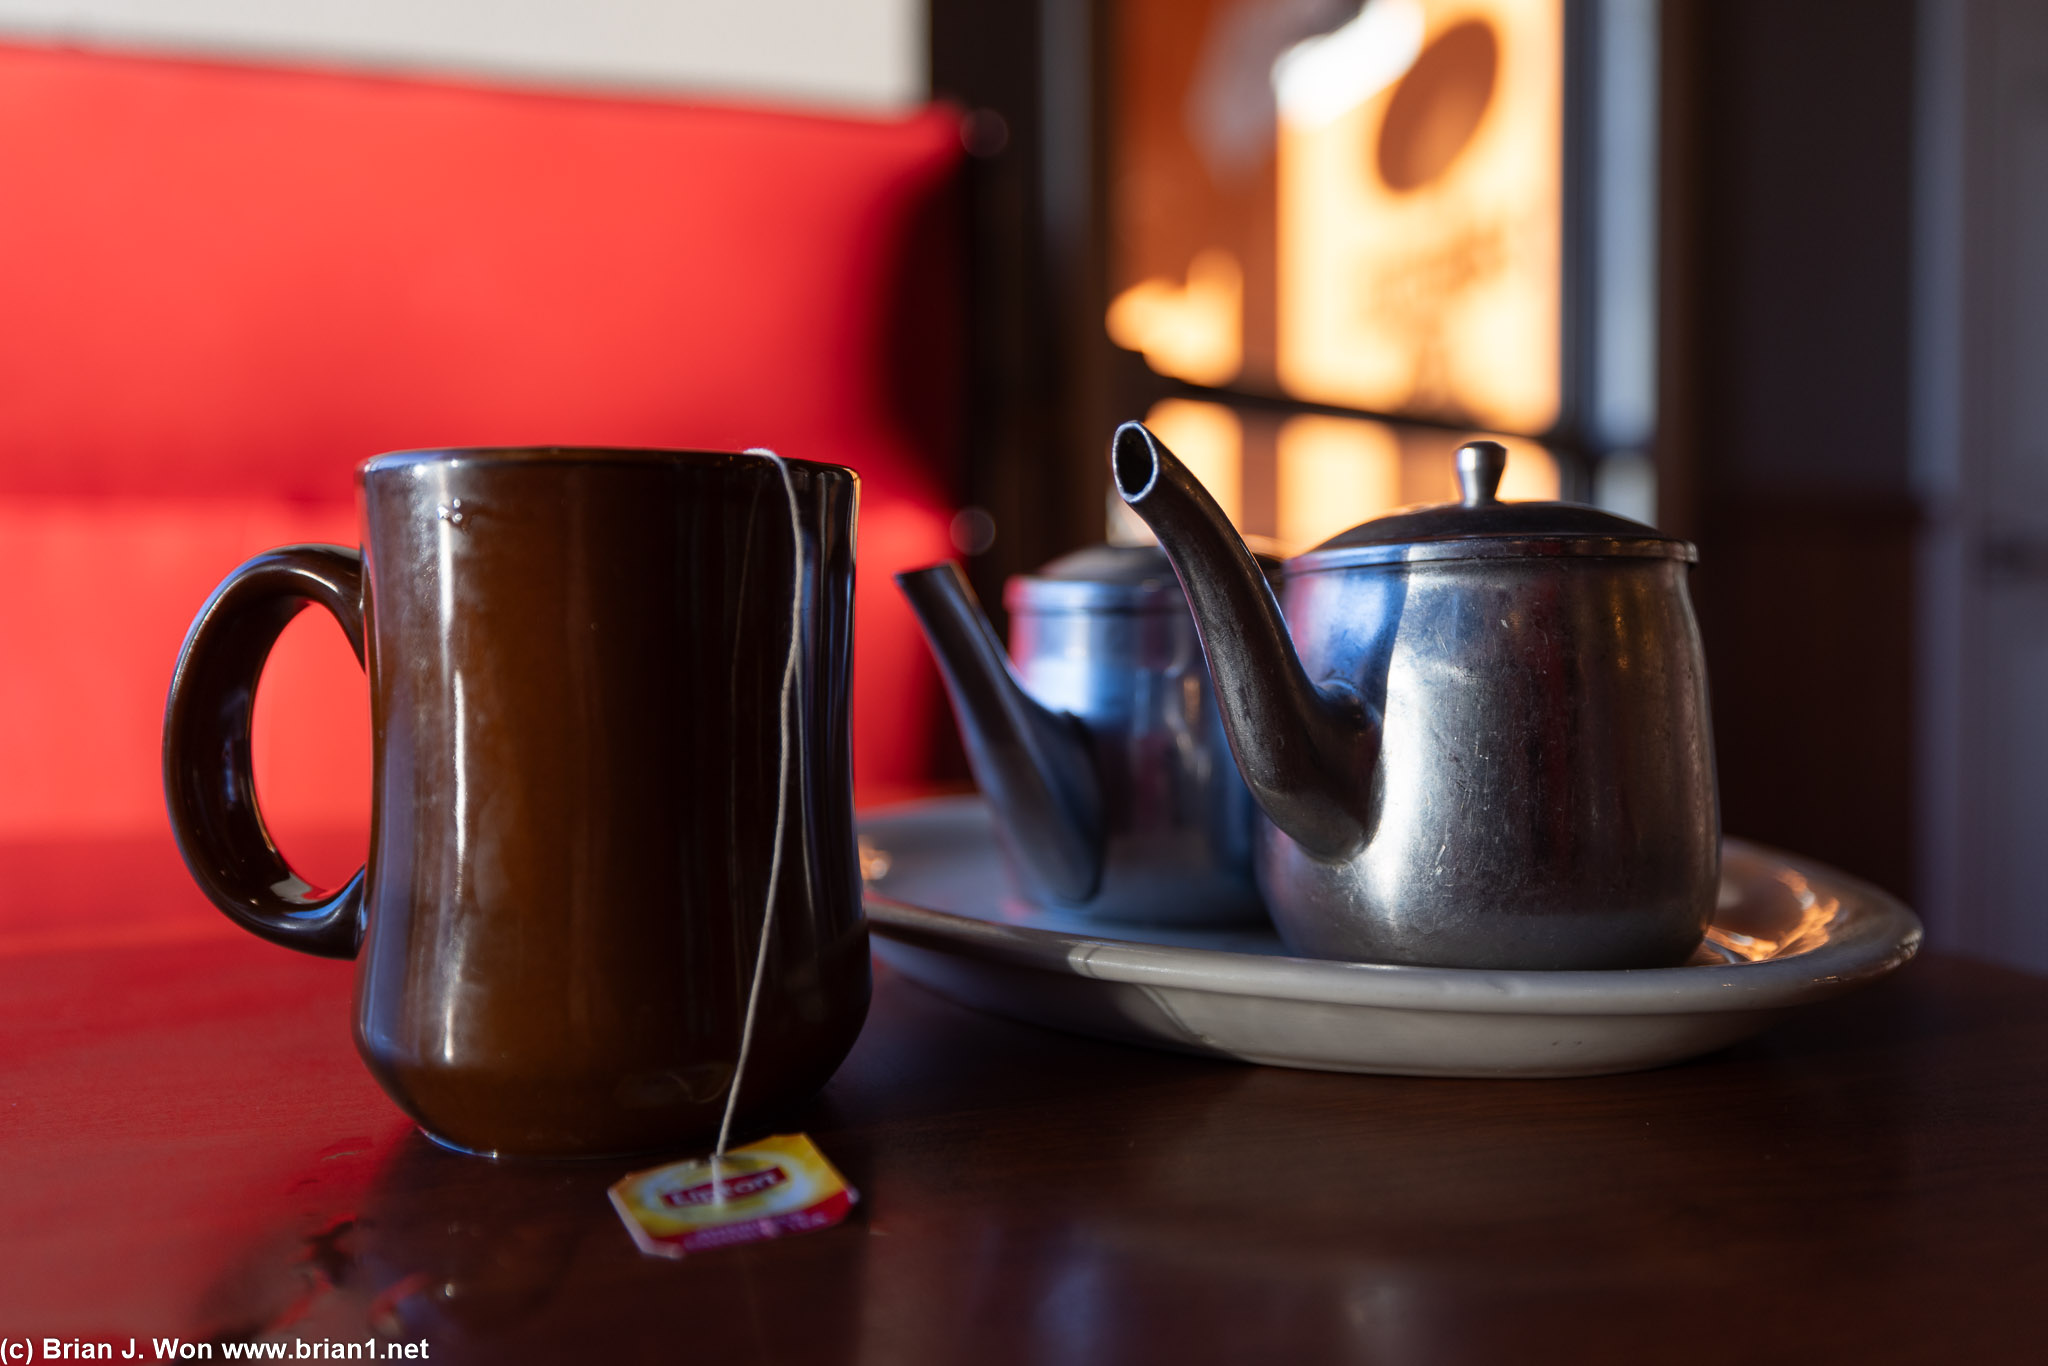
<point>770,1189</point>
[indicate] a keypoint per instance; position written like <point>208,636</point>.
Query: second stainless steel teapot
<point>1096,740</point>
<point>1479,732</point>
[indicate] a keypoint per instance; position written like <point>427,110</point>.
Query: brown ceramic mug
<point>576,661</point>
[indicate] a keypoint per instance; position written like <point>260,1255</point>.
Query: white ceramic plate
<point>1787,933</point>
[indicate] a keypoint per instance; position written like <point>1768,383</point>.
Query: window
<point>1337,245</point>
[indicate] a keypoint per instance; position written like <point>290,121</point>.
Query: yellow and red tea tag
<point>779,1186</point>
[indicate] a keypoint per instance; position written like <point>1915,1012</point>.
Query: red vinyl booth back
<point>224,286</point>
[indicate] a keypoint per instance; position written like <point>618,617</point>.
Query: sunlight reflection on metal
<point>1816,915</point>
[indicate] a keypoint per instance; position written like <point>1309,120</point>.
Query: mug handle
<point>209,783</point>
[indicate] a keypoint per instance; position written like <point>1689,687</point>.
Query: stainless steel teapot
<point>1096,741</point>
<point>1478,731</point>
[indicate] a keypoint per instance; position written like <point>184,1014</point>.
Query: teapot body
<point>1096,738</point>
<point>1543,794</point>
<point>1177,824</point>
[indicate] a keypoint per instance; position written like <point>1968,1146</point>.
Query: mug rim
<point>576,455</point>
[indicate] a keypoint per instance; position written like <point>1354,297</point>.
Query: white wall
<point>833,54</point>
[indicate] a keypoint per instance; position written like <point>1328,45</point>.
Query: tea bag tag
<point>770,1189</point>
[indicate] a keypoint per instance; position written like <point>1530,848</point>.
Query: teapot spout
<point>1306,754</point>
<point>1032,763</point>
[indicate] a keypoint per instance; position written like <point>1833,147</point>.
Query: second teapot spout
<point>1032,763</point>
<point>1307,755</point>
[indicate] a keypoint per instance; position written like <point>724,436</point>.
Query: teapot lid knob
<point>1480,466</point>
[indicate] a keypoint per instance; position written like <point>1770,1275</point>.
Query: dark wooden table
<point>191,1150</point>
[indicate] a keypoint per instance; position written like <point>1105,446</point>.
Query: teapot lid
<point>1480,526</point>
<point>1128,578</point>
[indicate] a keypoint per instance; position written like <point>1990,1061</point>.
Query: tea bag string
<point>789,668</point>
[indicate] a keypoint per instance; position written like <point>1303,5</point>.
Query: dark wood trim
<point>1034,426</point>
<point>1579,247</point>
<point>1677,447</point>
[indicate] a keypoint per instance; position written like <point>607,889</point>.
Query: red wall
<point>223,286</point>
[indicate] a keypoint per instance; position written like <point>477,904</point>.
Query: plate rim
<point>1887,935</point>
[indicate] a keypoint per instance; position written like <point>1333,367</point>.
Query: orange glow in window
<point>1193,331</point>
<point>1418,225</point>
